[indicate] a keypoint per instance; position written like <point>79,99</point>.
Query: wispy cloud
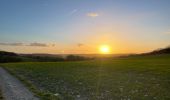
<point>38,44</point>
<point>12,44</point>
<point>92,14</point>
<point>80,44</point>
<point>73,11</point>
<point>29,44</point>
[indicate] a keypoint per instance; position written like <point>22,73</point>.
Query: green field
<point>1,98</point>
<point>131,78</point>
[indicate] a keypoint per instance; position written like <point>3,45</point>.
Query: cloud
<point>38,44</point>
<point>29,44</point>
<point>80,44</point>
<point>53,45</point>
<point>73,11</point>
<point>12,44</point>
<point>92,14</point>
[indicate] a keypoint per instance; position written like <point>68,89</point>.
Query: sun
<point>104,49</point>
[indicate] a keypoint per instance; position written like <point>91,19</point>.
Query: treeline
<point>158,51</point>
<point>13,57</point>
<point>42,58</point>
<point>56,58</point>
<point>76,58</point>
<point>161,51</point>
<point>9,57</point>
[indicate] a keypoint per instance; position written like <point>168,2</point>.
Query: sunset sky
<point>82,26</point>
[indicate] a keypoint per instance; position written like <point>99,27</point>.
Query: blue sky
<point>128,26</point>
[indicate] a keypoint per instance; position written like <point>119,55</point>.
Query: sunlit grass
<point>134,78</point>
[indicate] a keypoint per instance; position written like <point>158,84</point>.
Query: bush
<point>76,58</point>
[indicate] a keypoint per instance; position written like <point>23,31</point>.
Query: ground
<point>13,89</point>
<point>1,98</point>
<point>131,78</point>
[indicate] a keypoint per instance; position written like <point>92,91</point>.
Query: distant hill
<point>165,50</point>
<point>4,53</point>
<point>9,57</point>
<point>6,57</point>
<point>161,51</point>
<point>13,57</point>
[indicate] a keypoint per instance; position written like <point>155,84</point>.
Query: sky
<point>82,26</point>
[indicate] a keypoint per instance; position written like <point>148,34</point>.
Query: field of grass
<point>131,78</point>
<point>1,98</point>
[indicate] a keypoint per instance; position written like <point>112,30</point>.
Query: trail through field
<point>13,89</point>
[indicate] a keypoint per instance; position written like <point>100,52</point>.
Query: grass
<point>1,98</point>
<point>131,78</point>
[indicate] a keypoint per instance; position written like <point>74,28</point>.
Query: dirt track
<point>13,89</point>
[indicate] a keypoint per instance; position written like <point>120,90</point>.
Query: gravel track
<point>13,89</point>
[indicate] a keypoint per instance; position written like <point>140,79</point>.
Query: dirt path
<point>13,89</point>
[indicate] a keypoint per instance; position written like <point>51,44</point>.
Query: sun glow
<point>104,49</point>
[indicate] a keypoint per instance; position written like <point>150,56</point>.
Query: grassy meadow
<point>130,78</point>
<point>1,98</point>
